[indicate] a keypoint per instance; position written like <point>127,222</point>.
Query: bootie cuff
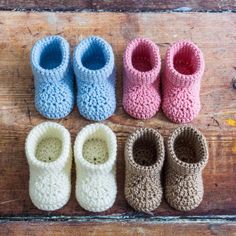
<point>83,60</point>
<point>95,132</point>
<point>145,167</point>
<point>144,50</point>
<point>43,131</point>
<point>184,64</point>
<point>187,150</point>
<point>46,68</point>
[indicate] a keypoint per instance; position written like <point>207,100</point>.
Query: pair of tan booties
<point>187,155</point>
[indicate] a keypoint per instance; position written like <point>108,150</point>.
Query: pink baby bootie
<point>184,67</point>
<point>142,64</point>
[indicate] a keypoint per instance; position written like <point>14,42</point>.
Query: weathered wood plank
<point>131,229</point>
<point>119,5</point>
<point>214,33</point>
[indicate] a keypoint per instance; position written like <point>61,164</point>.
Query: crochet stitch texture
<point>94,67</point>
<point>184,67</point>
<point>187,155</point>
<point>49,155</point>
<point>95,158</point>
<point>142,64</point>
<point>53,77</point>
<point>144,157</point>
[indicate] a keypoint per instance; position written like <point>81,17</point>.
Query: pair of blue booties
<point>93,65</point>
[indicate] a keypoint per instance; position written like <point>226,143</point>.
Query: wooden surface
<point>214,33</point>
<point>129,229</point>
<point>120,5</point>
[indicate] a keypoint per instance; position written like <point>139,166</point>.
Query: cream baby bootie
<point>49,155</point>
<point>95,156</point>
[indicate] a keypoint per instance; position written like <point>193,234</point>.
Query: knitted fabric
<point>48,152</point>
<point>184,67</point>
<point>142,64</point>
<point>95,156</point>
<point>187,153</point>
<point>94,67</point>
<point>144,157</point>
<point>53,77</point>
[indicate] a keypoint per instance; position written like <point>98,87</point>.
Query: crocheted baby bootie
<point>53,77</point>
<point>184,67</point>
<point>49,154</point>
<point>187,156</point>
<point>95,157</point>
<point>142,64</point>
<point>144,157</point>
<point>94,67</point>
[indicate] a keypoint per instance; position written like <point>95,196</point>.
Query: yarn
<point>95,151</point>
<point>144,157</point>
<point>142,64</point>
<point>48,152</point>
<point>187,156</point>
<point>94,67</point>
<point>48,149</point>
<point>95,156</point>
<point>53,77</point>
<point>184,67</point>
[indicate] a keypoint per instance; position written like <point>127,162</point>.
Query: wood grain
<point>214,33</point>
<point>73,228</point>
<point>120,5</point>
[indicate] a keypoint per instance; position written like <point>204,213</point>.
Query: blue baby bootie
<point>94,67</point>
<point>53,77</point>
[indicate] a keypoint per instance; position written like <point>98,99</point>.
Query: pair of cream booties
<point>49,155</point>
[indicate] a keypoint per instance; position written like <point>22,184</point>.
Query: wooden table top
<point>214,33</point>
<point>121,5</point>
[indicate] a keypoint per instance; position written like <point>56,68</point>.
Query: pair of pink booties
<point>183,70</point>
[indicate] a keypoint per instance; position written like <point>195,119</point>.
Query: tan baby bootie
<point>144,157</point>
<point>187,155</point>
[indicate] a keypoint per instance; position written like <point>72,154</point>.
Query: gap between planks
<point>149,10</point>
<point>125,218</point>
